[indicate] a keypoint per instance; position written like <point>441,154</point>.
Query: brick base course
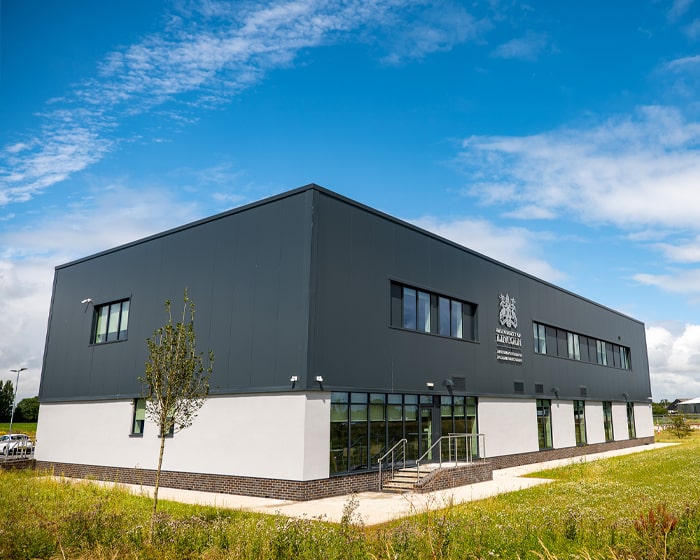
<point>301,490</point>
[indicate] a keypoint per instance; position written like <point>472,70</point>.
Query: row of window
<point>364,426</point>
<point>419,310</point>
<point>544,422</point>
<point>565,344</point>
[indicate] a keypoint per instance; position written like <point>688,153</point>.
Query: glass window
<point>540,338</point>
<point>339,433</point>
<point>409,308</point>
<point>111,322</point>
<point>573,347</point>
<point>631,429</point>
<point>544,423</point>
<point>624,358</point>
<point>608,421</point>
<point>601,353</point>
<point>444,320</point>
<point>456,323</point>
<point>102,313</point>
<point>423,311</point>
<point>580,422</point>
<point>431,313</point>
<point>139,417</point>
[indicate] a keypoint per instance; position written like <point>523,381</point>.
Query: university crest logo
<point>507,315</point>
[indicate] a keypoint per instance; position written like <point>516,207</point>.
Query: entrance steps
<point>405,480</point>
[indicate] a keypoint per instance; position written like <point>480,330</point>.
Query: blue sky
<point>562,138</point>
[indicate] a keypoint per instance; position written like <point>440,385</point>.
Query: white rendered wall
<point>595,426</point>
<point>268,436</point>
<point>563,430</point>
<point>619,414</point>
<point>643,420</point>
<point>510,425</point>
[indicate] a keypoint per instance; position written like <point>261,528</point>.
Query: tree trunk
<point>155,490</point>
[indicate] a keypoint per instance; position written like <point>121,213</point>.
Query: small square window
<point>111,322</point>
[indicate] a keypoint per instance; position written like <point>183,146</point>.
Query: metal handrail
<point>450,438</point>
<point>392,452</point>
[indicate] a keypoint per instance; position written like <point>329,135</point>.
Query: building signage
<point>509,341</point>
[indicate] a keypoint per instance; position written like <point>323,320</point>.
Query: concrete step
<point>404,480</point>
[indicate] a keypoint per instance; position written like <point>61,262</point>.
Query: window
<point>111,321</point>
<point>139,419</point>
<point>580,422</point>
<point>624,358</point>
<point>602,355</point>
<point>608,421</point>
<point>540,338</point>
<point>544,423</point>
<point>631,430</point>
<point>426,312</point>
<point>573,346</point>
<point>364,426</point>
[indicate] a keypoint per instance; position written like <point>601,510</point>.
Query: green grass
<point>633,507</point>
<point>28,428</point>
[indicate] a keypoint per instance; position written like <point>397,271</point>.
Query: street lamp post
<point>14,399</point>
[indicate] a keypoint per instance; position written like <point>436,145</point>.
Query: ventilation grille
<point>459,382</point>
<point>518,386</point>
<point>583,391</point>
<point>539,388</point>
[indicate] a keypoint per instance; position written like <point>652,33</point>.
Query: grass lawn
<point>28,428</point>
<point>633,507</point>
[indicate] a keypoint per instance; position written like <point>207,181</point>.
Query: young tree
<point>680,427</point>
<point>176,381</point>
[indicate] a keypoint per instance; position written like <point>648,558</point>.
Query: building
<point>337,330</point>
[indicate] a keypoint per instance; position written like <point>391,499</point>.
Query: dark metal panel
<point>359,252</point>
<point>248,274</point>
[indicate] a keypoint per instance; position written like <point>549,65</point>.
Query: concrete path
<point>375,507</point>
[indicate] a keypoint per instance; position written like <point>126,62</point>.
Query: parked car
<point>15,444</point>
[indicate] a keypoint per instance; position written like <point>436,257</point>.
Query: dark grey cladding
<point>300,285</point>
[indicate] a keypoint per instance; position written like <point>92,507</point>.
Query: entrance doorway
<point>428,425</point>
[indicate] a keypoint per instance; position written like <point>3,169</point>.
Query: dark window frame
<point>102,317</point>
<point>562,344</point>
<point>463,327</point>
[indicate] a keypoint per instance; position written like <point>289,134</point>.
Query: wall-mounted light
<point>626,396</point>
<point>449,384</point>
<point>87,300</point>
<point>319,379</point>
<point>293,379</point>
<point>555,390</point>
<point>430,385</point>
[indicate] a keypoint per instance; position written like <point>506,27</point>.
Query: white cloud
<point>628,172</point>
<point>112,216</point>
<point>518,247</point>
<point>674,361</point>
<point>687,251</point>
<point>220,49</point>
<point>679,9</point>
<point>525,48</point>
<point>678,281</point>
<point>438,27</point>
